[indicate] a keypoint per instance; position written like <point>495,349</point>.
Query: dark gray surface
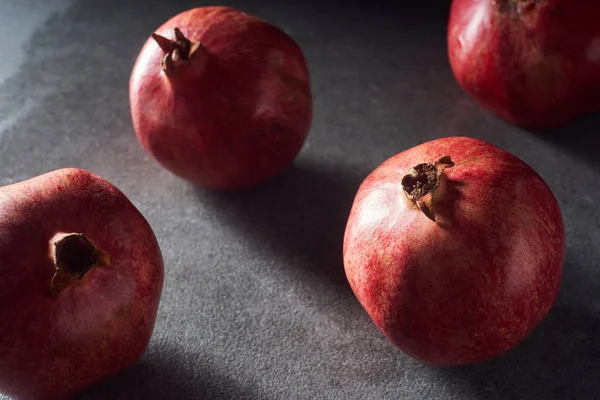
<point>255,303</point>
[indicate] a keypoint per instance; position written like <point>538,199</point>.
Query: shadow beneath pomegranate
<point>171,373</point>
<point>581,137</point>
<point>300,217</point>
<point>559,360</point>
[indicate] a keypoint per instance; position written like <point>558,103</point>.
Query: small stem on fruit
<point>176,56</point>
<point>195,47</point>
<point>164,43</point>
<point>177,51</point>
<point>167,63</point>
<point>74,255</point>
<point>421,182</point>
<point>179,36</point>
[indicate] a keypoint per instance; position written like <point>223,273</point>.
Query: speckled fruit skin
<point>471,285</point>
<point>234,117</point>
<point>535,63</point>
<point>55,347</point>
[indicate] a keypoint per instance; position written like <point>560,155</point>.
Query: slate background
<point>255,304</point>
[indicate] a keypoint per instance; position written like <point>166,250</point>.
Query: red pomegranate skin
<point>54,347</point>
<point>234,116</point>
<point>472,284</point>
<point>535,63</point>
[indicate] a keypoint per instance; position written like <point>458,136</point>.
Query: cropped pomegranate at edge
<point>455,249</point>
<point>221,98</point>
<point>535,63</point>
<point>81,276</point>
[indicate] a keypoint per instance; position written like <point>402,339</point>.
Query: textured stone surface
<point>255,303</point>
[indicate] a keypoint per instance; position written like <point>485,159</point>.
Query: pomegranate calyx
<point>176,51</point>
<point>165,44</point>
<point>421,182</point>
<point>74,255</point>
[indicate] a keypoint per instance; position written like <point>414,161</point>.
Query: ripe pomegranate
<point>455,249</point>
<point>221,98</point>
<point>81,275</point>
<point>535,63</point>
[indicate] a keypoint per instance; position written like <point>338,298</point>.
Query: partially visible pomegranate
<point>455,249</point>
<point>81,276</point>
<point>221,98</point>
<point>535,63</point>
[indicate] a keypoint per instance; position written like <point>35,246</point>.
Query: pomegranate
<point>455,249</point>
<point>81,275</point>
<point>221,98</point>
<point>535,63</point>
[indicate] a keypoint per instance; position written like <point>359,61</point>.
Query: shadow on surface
<point>300,216</point>
<point>170,373</point>
<point>559,360</point>
<point>581,137</point>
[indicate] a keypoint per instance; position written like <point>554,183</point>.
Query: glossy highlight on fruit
<point>81,276</point>
<point>221,98</point>
<point>535,63</point>
<point>455,249</point>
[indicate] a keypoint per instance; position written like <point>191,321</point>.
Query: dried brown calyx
<point>177,51</point>
<point>74,255</point>
<point>421,182</point>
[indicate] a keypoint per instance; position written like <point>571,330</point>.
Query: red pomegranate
<point>535,63</point>
<point>455,249</point>
<point>221,98</point>
<point>81,276</point>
